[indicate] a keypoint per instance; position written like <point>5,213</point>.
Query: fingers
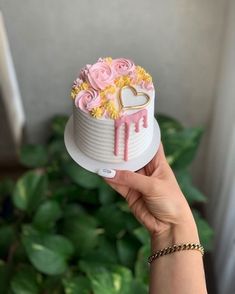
<point>141,171</point>
<point>160,156</point>
<point>161,152</point>
<point>135,181</point>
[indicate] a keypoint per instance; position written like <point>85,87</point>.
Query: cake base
<point>94,165</point>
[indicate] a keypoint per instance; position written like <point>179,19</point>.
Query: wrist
<point>176,234</point>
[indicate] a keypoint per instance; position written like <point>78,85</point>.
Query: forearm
<point>180,272</point>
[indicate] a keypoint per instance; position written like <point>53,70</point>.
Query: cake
<point>113,110</point>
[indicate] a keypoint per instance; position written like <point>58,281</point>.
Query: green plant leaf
<point>112,219</point>
<point>105,253</point>
<point>69,192</point>
<point>127,248</point>
<point>6,187</point>
<point>142,235</point>
<point>48,253</point>
<point>168,125</point>
<point>181,147</point>
<point>30,189</point>
<point>57,154</point>
<point>111,280</point>
<point>206,233</point>
<point>139,288</point>
<point>54,171</point>
<point>122,278</point>
<point>130,221</point>
<point>141,266</point>
<point>52,285</point>
<point>83,231</point>
<point>58,125</point>
<point>106,193</point>
<point>25,281</point>
<point>123,206</point>
<point>191,193</point>
<point>47,215</point>
<point>76,284</point>
<point>81,176</point>
<point>20,255</point>
<point>73,210</point>
<point>74,193</point>
<point>103,282</point>
<point>85,196</point>
<point>56,148</point>
<point>7,237</point>
<point>99,277</point>
<point>33,155</point>
<point>4,276</point>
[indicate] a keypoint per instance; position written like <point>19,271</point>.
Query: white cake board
<point>94,165</point>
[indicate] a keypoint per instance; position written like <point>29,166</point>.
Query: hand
<point>156,200</point>
<point>154,197</point>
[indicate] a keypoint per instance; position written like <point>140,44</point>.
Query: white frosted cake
<point>113,110</point>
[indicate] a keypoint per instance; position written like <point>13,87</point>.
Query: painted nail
<point>107,173</point>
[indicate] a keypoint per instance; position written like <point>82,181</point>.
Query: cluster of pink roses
<point>103,73</point>
<point>100,75</point>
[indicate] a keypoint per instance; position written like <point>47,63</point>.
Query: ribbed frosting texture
<point>95,137</point>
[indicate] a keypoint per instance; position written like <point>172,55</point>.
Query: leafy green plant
<point>63,230</point>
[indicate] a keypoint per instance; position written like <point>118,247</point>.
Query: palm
<point>151,216</point>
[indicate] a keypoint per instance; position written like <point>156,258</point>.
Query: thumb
<point>135,181</point>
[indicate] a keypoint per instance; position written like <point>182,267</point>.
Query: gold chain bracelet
<point>175,248</point>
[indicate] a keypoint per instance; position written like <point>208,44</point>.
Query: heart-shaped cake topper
<point>135,93</point>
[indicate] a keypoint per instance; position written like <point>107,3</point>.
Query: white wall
<point>220,173</point>
<point>224,110</point>
<point>177,41</point>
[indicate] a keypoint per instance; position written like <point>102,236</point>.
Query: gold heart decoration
<point>135,93</point>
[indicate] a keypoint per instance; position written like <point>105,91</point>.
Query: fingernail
<point>107,173</point>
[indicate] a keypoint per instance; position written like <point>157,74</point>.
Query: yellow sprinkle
<point>110,89</point>
<point>114,114</point>
<point>111,109</point>
<point>127,80</point>
<point>140,69</point>
<point>84,86</point>
<point>142,75</point>
<point>102,94</point>
<point>122,81</point>
<point>109,105</point>
<point>72,94</point>
<point>147,77</point>
<point>97,112</point>
<point>119,82</point>
<point>75,91</point>
<point>108,59</point>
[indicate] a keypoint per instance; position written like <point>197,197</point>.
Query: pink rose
<point>133,77</point>
<point>83,72</point>
<point>100,75</point>
<point>147,85</point>
<point>123,66</point>
<point>87,99</point>
<point>77,82</point>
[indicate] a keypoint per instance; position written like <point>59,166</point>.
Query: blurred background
<point>188,46</point>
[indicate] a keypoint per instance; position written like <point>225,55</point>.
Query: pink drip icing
<point>127,120</point>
